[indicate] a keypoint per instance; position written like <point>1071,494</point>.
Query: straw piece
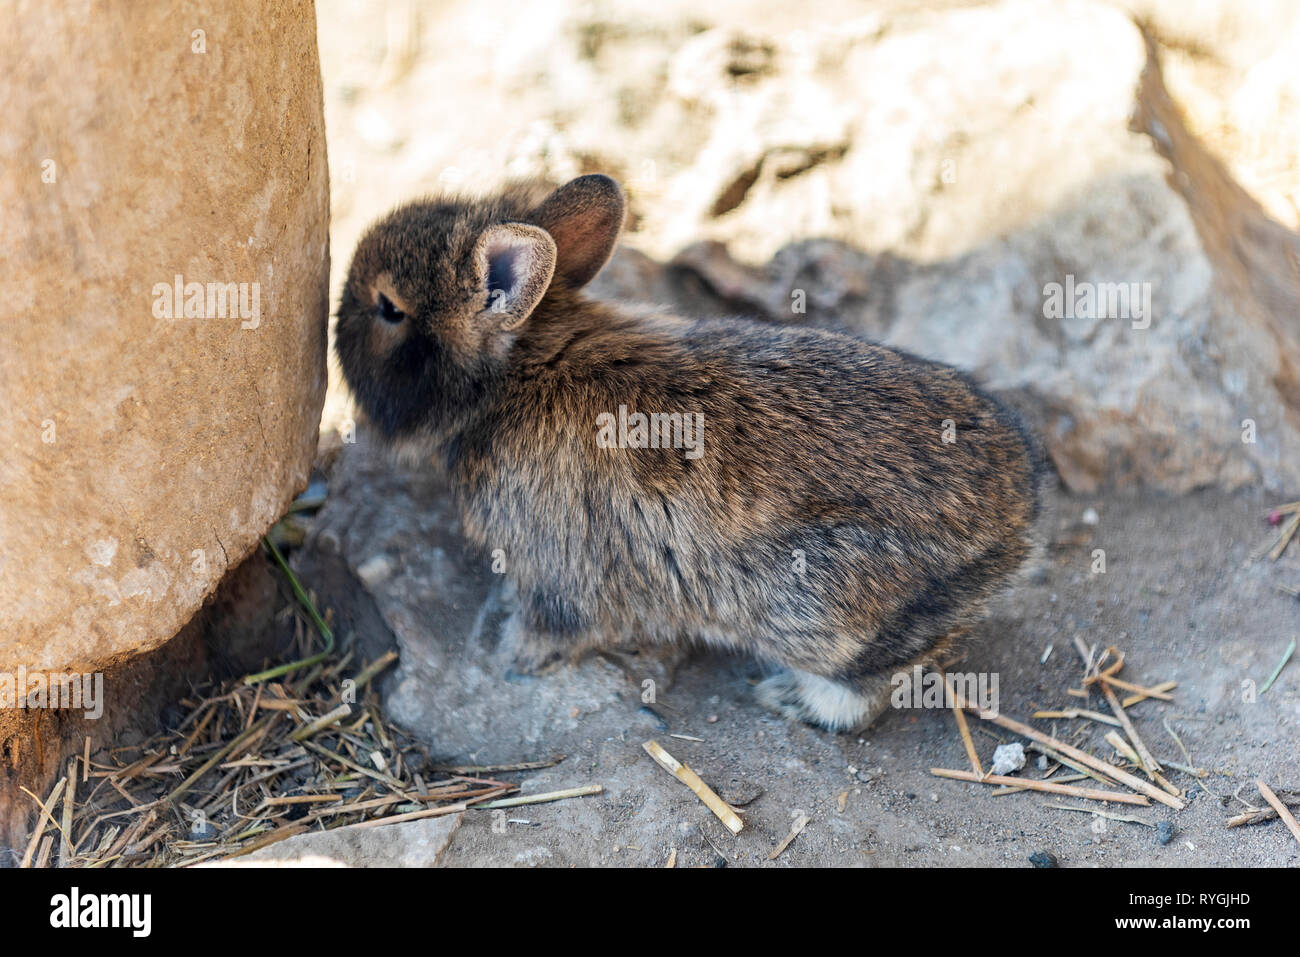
<point>1084,652</point>
<point>1123,747</point>
<point>279,704</point>
<point>366,674</point>
<point>1073,765</point>
<point>692,780</point>
<point>1146,760</point>
<point>380,776</point>
<point>1106,814</point>
<point>1091,794</point>
<point>1258,815</point>
<point>1111,670</point>
<point>800,822</point>
<point>1287,817</point>
<point>321,723</point>
<point>414,815</point>
<point>1123,777</point>
<point>198,729</point>
<point>1149,764</point>
<point>126,838</point>
<point>494,768</point>
<point>303,799</point>
<point>963,728</point>
<point>46,815</point>
<point>1079,713</point>
<point>1143,695</point>
<point>1288,533</point>
<point>1169,788</point>
<point>69,804</point>
<point>271,837</point>
<point>356,807</point>
<point>545,798</point>
<point>315,616</point>
<point>1280,665</point>
<point>1140,689</point>
<point>1063,779</point>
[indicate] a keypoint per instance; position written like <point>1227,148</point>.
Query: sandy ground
<point>1180,595</point>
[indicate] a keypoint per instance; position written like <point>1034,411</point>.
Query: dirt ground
<point>1180,596</point>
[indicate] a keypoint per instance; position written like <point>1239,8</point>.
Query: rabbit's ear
<point>515,263</point>
<point>584,216</point>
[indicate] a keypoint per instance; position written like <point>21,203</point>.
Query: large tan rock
<point>144,448</point>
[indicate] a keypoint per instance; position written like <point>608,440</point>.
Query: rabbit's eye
<point>388,312</point>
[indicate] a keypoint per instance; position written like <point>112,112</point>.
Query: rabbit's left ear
<point>584,217</point>
<point>514,262</point>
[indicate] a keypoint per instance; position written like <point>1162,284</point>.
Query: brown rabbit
<point>835,507</point>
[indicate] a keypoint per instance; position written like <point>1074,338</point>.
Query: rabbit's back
<point>845,502</point>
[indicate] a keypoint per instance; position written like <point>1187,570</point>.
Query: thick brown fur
<point>827,526</point>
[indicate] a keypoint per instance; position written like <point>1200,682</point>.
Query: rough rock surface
<point>397,533</point>
<point>1231,68</point>
<point>142,456</point>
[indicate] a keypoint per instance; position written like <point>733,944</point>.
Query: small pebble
<point>1043,859</point>
<point>1008,758</point>
<point>1042,762</point>
<point>1164,832</point>
<point>739,791</point>
<point>375,570</point>
<point>690,834</point>
<point>1090,516</point>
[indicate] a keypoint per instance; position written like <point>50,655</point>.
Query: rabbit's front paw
<point>535,657</point>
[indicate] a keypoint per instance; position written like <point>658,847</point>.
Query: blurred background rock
<point>921,170</point>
